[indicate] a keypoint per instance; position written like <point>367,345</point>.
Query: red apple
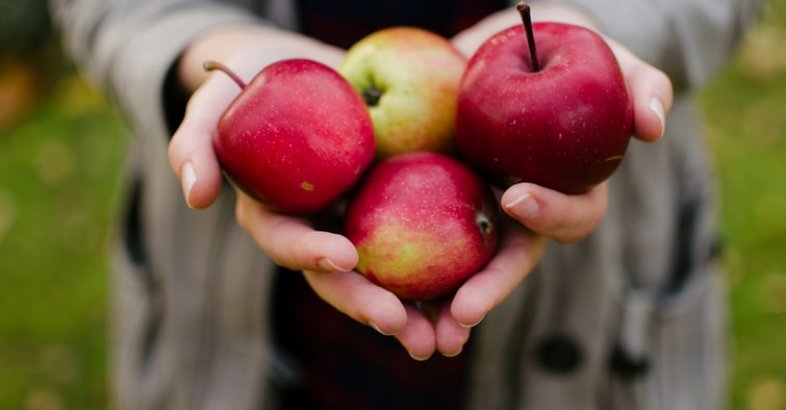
<point>560,117</point>
<point>296,138</point>
<point>422,223</point>
<point>409,77</point>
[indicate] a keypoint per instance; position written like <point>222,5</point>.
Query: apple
<point>422,223</point>
<point>544,103</point>
<point>296,138</point>
<point>409,78</point>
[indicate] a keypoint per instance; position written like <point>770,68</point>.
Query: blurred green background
<point>61,150</point>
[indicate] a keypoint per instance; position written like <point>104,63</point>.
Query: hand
<point>544,212</point>
<point>569,218</point>
<point>245,50</point>
<point>443,325</point>
<point>326,258</point>
<point>541,212</point>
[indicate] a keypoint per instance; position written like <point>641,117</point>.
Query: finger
<point>651,101</point>
<point>519,251</point>
<point>451,336</point>
<point>417,336</point>
<point>565,218</point>
<point>292,242</point>
<point>191,154</point>
<point>355,296</point>
<point>651,92</point>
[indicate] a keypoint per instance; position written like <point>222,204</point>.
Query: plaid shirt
<point>336,363</point>
<point>342,23</point>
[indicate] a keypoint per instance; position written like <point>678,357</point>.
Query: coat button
<point>628,366</point>
<point>559,353</point>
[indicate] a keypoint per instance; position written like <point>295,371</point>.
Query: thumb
<point>651,91</point>
<point>191,153</point>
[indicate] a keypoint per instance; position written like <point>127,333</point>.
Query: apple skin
<point>409,77</point>
<point>297,138</point>
<point>422,223</point>
<point>565,127</point>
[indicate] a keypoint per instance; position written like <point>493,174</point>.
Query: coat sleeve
<point>128,46</point>
<point>689,39</point>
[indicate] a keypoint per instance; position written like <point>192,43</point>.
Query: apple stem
<point>523,9</point>
<point>215,65</point>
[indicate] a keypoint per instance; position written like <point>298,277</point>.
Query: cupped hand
<point>541,212</point>
<point>569,218</point>
<point>327,259</point>
<point>245,50</point>
<point>443,325</point>
<point>292,242</point>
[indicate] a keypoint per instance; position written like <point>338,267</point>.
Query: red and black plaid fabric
<point>337,363</point>
<point>342,23</point>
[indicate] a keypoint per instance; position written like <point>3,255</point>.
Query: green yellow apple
<point>409,78</point>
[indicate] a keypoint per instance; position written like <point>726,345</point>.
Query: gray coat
<point>633,317</point>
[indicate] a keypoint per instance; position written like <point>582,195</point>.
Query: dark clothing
<point>334,362</point>
<point>342,23</point>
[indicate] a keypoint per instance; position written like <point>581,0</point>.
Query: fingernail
<point>419,358</point>
<point>471,325</point>
<point>657,107</point>
<point>327,265</point>
<point>188,178</point>
<point>453,354</point>
<point>375,327</point>
<point>523,207</point>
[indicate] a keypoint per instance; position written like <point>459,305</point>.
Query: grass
<point>746,123</point>
<point>59,179</point>
<point>59,174</point>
